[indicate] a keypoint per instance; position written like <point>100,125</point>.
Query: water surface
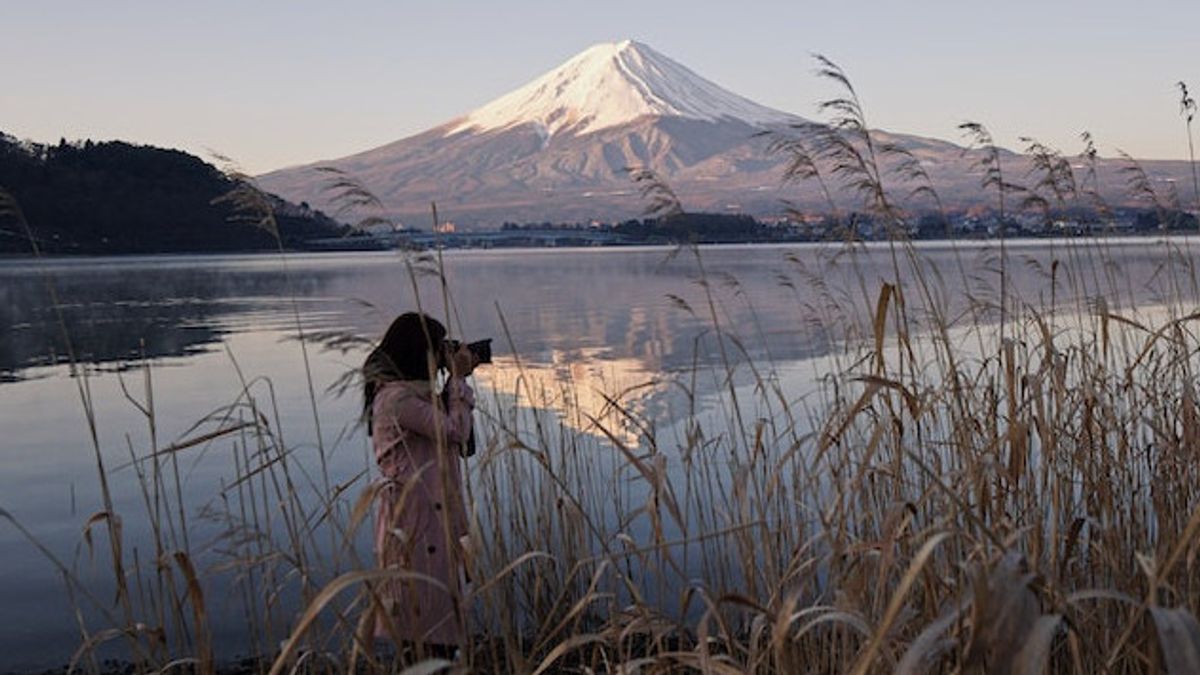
<point>192,331</point>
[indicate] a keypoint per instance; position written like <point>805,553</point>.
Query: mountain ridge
<point>559,148</point>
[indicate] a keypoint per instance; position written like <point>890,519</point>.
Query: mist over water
<point>574,325</point>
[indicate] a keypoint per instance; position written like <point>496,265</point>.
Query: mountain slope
<point>558,149</point>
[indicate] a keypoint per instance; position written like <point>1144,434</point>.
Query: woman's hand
<point>462,362</point>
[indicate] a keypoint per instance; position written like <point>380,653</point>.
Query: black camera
<point>482,350</point>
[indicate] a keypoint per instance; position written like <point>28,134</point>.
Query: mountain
<point>610,85</point>
<point>114,197</point>
<point>559,148</point>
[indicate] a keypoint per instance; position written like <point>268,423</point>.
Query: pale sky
<point>272,83</point>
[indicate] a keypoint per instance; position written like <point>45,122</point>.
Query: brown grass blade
<point>331,591</point>
<point>195,593</point>
<point>879,325</point>
<point>565,647</point>
<point>897,602</point>
<point>922,651</point>
<point>1035,654</point>
<point>1178,638</point>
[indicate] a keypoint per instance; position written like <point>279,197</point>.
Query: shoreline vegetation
<point>89,198</point>
<point>1012,487</point>
<point>115,198</point>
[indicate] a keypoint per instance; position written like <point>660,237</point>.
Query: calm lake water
<point>599,320</point>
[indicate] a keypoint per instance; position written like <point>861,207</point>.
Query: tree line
<point>115,197</point>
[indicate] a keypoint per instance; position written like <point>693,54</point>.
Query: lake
<point>189,335</point>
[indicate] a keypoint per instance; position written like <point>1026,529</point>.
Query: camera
<point>482,350</point>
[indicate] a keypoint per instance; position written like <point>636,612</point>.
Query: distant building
<point>383,229</point>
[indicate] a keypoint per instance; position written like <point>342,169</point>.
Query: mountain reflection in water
<point>588,392</point>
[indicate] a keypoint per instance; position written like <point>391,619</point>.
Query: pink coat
<point>421,509</point>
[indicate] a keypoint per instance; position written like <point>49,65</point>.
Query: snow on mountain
<point>559,150</point>
<point>560,147</point>
<point>612,84</point>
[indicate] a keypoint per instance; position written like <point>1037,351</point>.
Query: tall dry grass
<point>1001,484</point>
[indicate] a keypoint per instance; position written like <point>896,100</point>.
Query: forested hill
<point>114,197</point>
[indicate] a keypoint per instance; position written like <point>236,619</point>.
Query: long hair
<point>408,351</point>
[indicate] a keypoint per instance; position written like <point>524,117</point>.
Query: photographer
<point>422,523</point>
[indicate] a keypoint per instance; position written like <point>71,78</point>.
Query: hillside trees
<point>115,197</point>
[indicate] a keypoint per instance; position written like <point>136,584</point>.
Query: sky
<point>274,84</point>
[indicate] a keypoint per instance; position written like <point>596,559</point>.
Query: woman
<point>422,517</point>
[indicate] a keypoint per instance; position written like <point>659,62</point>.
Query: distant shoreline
<point>972,243</point>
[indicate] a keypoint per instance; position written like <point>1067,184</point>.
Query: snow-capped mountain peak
<point>611,107</point>
<point>610,84</point>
